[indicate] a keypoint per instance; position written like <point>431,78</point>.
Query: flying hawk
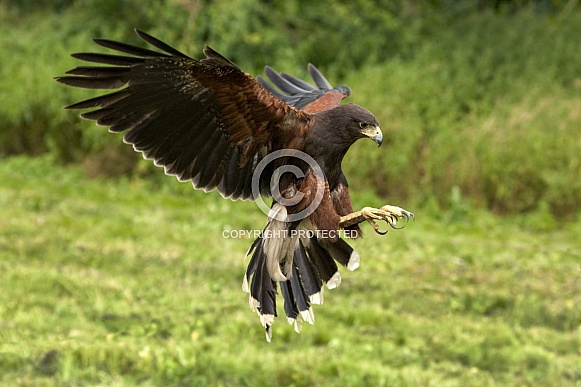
<point>208,122</point>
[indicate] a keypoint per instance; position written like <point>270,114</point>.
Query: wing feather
<point>302,95</point>
<point>190,116</point>
<point>318,78</point>
<point>116,60</point>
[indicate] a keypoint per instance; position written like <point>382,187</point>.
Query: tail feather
<point>253,264</point>
<point>323,261</point>
<point>342,253</point>
<point>307,272</point>
<point>301,290</point>
<point>262,288</point>
<point>268,292</point>
<point>313,265</point>
<point>290,307</point>
<point>300,297</point>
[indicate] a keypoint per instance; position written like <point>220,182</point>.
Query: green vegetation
<point>113,274</point>
<point>130,282</point>
<point>483,101</point>
<point>482,113</point>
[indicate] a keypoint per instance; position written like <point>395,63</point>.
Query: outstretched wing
<point>302,95</point>
<point>204,121</point>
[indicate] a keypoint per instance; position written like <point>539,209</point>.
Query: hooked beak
<point>374,133</point>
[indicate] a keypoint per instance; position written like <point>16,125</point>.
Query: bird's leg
<point>389,214</point>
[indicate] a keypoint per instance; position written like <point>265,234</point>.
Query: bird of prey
<point>208,122</point>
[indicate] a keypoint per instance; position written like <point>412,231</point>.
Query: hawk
<point>208,122</point>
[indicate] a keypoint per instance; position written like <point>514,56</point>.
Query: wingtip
<point>140,33</point>
<point>208,50</point>
<point>319,78</point>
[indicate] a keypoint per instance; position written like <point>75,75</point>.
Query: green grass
<point>130,282</point>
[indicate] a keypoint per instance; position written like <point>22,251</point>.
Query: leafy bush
<point>489,116</point>
<point>476,105</point>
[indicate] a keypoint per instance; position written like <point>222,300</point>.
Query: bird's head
<point>362,124</point>
<point>339,128</point>
<point>372,131</point>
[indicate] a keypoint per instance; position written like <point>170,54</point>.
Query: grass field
<point>130,282</point>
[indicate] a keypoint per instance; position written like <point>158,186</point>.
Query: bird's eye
<point>361,125</point>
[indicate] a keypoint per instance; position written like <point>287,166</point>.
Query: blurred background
<point>478,99</point>
<point>113,274</point>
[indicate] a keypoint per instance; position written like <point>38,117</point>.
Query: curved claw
<point>408,215</point>
<point>391,219</point>
<point>395,227</point>
<point>398,213</point>
<point>377,230</point>
<point>375,226</point>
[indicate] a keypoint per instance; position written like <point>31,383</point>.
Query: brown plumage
<point>208,122</point>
